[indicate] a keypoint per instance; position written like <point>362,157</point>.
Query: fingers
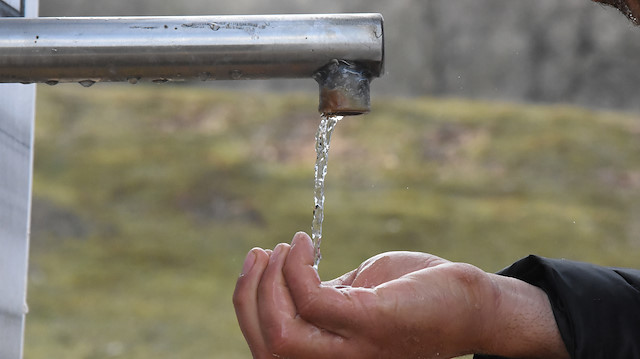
<point>344,280</point>
<point>245,299</point>
<point>389,266</point>
<point>286,333</point>
<point>276,309</point>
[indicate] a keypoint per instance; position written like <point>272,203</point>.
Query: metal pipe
<point>89,50</point>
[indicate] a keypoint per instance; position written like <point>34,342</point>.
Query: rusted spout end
<point>344,88</point>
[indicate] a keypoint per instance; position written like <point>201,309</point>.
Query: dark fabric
<point>597,308</point>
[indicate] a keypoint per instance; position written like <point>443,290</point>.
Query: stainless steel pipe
<point>89,50</point>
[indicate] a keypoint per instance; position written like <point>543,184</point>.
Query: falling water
<point>323,140</point>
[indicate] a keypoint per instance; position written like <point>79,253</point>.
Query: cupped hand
<point>394,305</point>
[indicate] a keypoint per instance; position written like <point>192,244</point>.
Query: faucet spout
<point>344,88</point>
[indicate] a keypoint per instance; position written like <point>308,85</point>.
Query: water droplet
<point>160,81</point>
<point>133,80</point>
<point>235,74</point>
<point>52,82</point>
<point>214,26</point>
<point>87,83</point>
<point>204,76</point>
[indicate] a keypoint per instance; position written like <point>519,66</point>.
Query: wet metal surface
<point>344,88</point>
<point>89,50</point>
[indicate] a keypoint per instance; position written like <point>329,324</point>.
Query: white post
<point>17,115</point>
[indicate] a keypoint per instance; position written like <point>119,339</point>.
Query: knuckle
<point>238,301</point>
<point>240,297</point>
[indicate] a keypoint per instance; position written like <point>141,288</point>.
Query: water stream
<point>323,140</point>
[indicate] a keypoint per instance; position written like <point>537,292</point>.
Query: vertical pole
<point>17,115</point>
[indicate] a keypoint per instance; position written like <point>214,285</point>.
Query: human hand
<point>398,304</point>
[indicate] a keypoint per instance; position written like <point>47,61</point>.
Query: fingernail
<point>248,263</point>
<point>297,235</point>
<point>276,252</point>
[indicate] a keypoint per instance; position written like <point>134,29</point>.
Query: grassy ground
<point>146,200</point>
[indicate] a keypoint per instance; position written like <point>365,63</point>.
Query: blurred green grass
<point>146,199</point>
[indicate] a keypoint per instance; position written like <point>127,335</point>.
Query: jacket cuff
<point>597,309</point>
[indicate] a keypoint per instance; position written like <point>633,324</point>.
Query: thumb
<point>300,260</point>
<point>327,307</point>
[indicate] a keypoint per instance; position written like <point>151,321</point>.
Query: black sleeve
<point>597,309</point>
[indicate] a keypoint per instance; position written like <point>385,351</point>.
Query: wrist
<point>521,323</point>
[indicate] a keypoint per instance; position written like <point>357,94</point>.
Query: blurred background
<point>501,128</point>
<point>543,50</point>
